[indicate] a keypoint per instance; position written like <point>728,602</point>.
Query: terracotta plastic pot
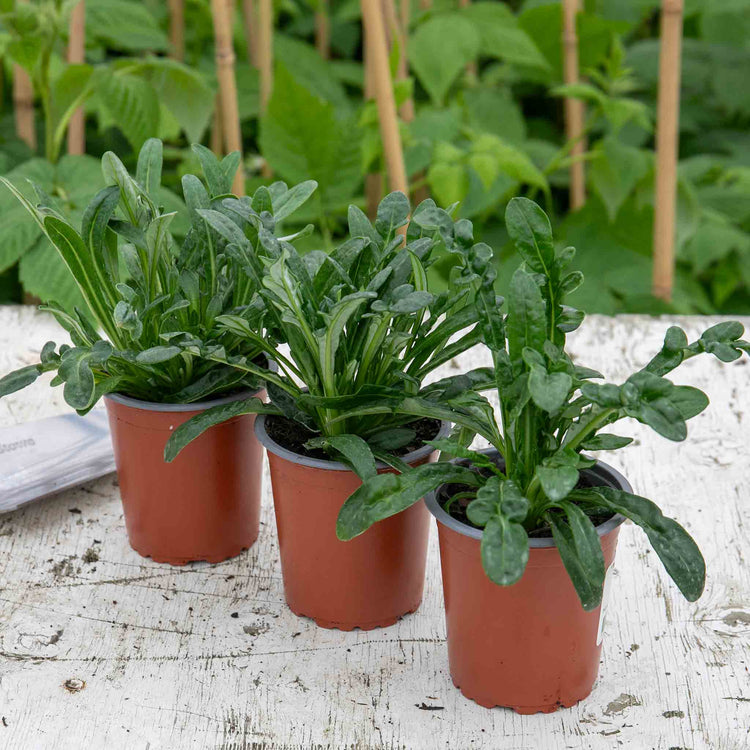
<point>205,505</point>
<point>368,582</point>
<point>530,646</point>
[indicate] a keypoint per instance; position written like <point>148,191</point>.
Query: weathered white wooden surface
<point>100,648</point>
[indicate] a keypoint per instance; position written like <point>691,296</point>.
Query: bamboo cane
<point>398,34</point>
<point>216,143</point>
<point>372,17</point>
<point>574,108</point>
<point>77,55</point>
<point>23,106</point>
<point>374,180</point>
<point>323,30</point>
<point>229,110</point>
<point>177,29</point>
<point>667,144</point>
<point>265,60</point>
<point>250,22</point>
<point>405,15</point>
<point>471,67</point>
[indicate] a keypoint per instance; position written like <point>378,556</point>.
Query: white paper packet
<point>48,455</point>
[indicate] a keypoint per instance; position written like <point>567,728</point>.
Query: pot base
<point>547,708</point>
<point>182,561</point>
<point>348,626</point>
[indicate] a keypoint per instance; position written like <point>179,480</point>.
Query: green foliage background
<point>487,84</point>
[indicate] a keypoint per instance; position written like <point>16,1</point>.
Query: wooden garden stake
<point>667,143</point>
<point>405,14</point>
<point>23,106</point>
<point>397,34</point>
<point>77,55</point>
<point>177,29</point>
<point>229,111</point>
<point>323,30</point>
<point>265,60</point>
<point>373,180</point>
<point>250,22</point>
<point>574,108</point>
<point>372,17</point>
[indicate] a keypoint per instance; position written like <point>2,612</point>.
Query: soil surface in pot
<point>293,436</point>
<point>457,509</point>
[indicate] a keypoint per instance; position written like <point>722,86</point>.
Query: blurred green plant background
<point>487,84</point>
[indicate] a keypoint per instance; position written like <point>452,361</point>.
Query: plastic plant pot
<point>368,582</point>
<point>530,646</point>
<point>205,505</point>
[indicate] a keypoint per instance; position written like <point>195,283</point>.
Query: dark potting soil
<point>293,436</point>
<point>457,509</point>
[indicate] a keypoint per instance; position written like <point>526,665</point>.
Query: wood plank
<point>167,665</point>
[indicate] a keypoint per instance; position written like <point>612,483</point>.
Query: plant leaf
<point>197,425</point>
<point>385,495</point>
<point>675,547</point>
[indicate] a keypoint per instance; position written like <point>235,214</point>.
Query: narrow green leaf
<point>355,450</point>
<point>197,425</point>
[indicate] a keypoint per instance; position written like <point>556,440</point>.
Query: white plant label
<point>46,456</point>
<point>605,603</point>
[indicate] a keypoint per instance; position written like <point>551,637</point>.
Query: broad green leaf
<point>385,495</point>
<point>549,390</point>
<point>125,26</point>
<point>183,91</point>
<point>615,171</point>
<point>486,503</point>
<point>504,550</point>
<point>689,401</point>
<point>501,35</point>
<point>439,50</point>
<point>323,145</point>
<point>132,104</point>
<point>558,478</point>
<point>674,546</point>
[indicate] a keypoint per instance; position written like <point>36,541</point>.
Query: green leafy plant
<point>155,301</point>
<point>362,329</point>
<point>551,411</point>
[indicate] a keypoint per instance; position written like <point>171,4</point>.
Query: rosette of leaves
<point>550,411</point>
<point>153,303</point>
<point>362,328</point>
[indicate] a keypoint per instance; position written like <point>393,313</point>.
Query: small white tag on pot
<point>605,603</point>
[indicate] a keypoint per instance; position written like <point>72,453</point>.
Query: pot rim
<point>321,463</point>
<point>604,471</point>
<point>136,403</point>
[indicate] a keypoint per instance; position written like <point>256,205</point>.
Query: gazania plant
<point>360,326</point>
<point>153,301</point>
<point>551,411</point>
